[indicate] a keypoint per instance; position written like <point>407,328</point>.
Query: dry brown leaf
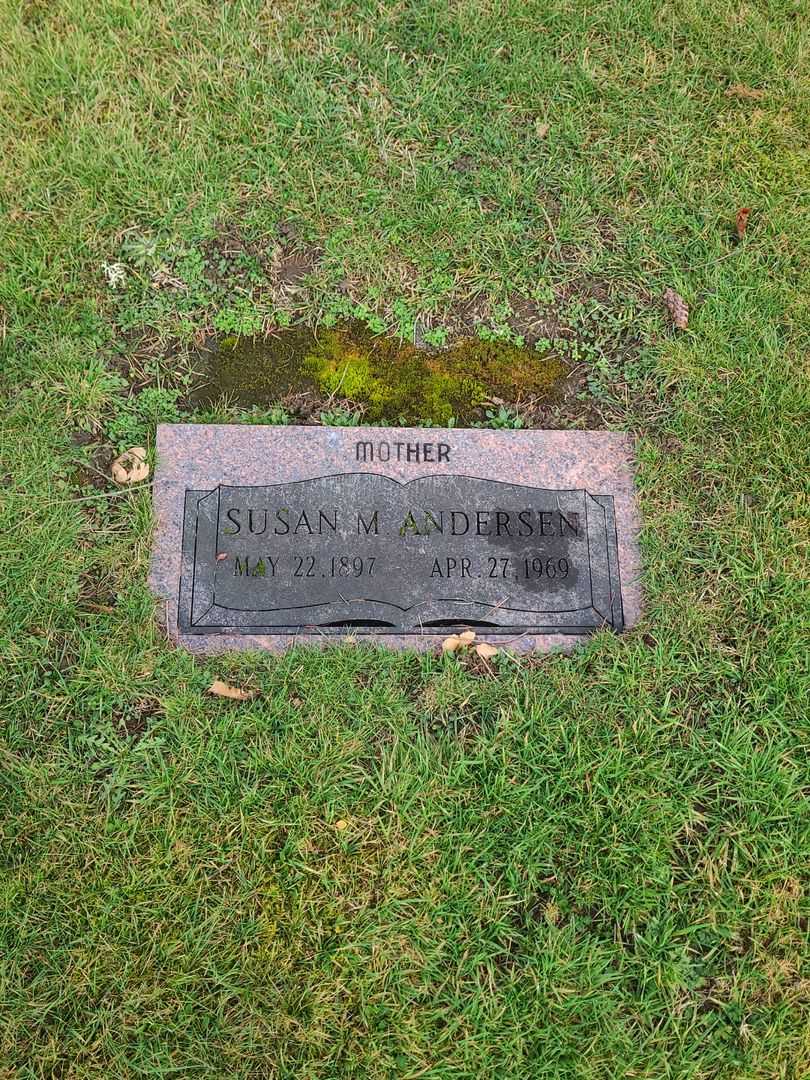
<point>744,93</point>
<point>467,637</point>
<point>485,650</point>
<point>130,467</point>
<point>341,824</point>
<point>541,129</point>
<point>224,690</point>
<point>677,307</point>
<point>742,220</point>
<point>222,556</point>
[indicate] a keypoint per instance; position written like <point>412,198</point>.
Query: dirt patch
<point>225,254</point>
<point>465,317</point>
<point>283,266</point>
<point>464,163</point>
<point>287,230</point>
<point>135,356</point>
<point>134,722</point>
<point>290,268</point>
<point>95,473</point>
<point>584,288</point>
<point>533,321</point>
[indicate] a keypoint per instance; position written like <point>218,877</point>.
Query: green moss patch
<point>387,379</point>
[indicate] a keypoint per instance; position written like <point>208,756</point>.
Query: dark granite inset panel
<point>390,557</point>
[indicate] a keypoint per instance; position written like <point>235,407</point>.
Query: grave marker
<point>272,535</point>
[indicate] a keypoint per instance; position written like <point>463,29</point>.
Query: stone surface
<point>269,536</point>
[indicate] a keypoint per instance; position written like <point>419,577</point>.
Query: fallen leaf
<point>341,824</point>
<point>485,650</point>
<point>541,129</point>
<point>467,637</point>
<point>742,221</point>
<point>130,467</point>
<point>677,307</point>
<point>222,556</point>
<point>222,689</point>
<point>744,93</point>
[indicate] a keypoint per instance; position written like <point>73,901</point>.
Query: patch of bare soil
<point>225,252</point>
<point>291,266</point>
<point>286,262</point>
<point>134,721</point>
<point>96,472</point>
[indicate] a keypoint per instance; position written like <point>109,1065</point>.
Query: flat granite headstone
<point>269,536</point>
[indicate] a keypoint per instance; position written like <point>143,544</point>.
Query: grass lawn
<point>390,865</point>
